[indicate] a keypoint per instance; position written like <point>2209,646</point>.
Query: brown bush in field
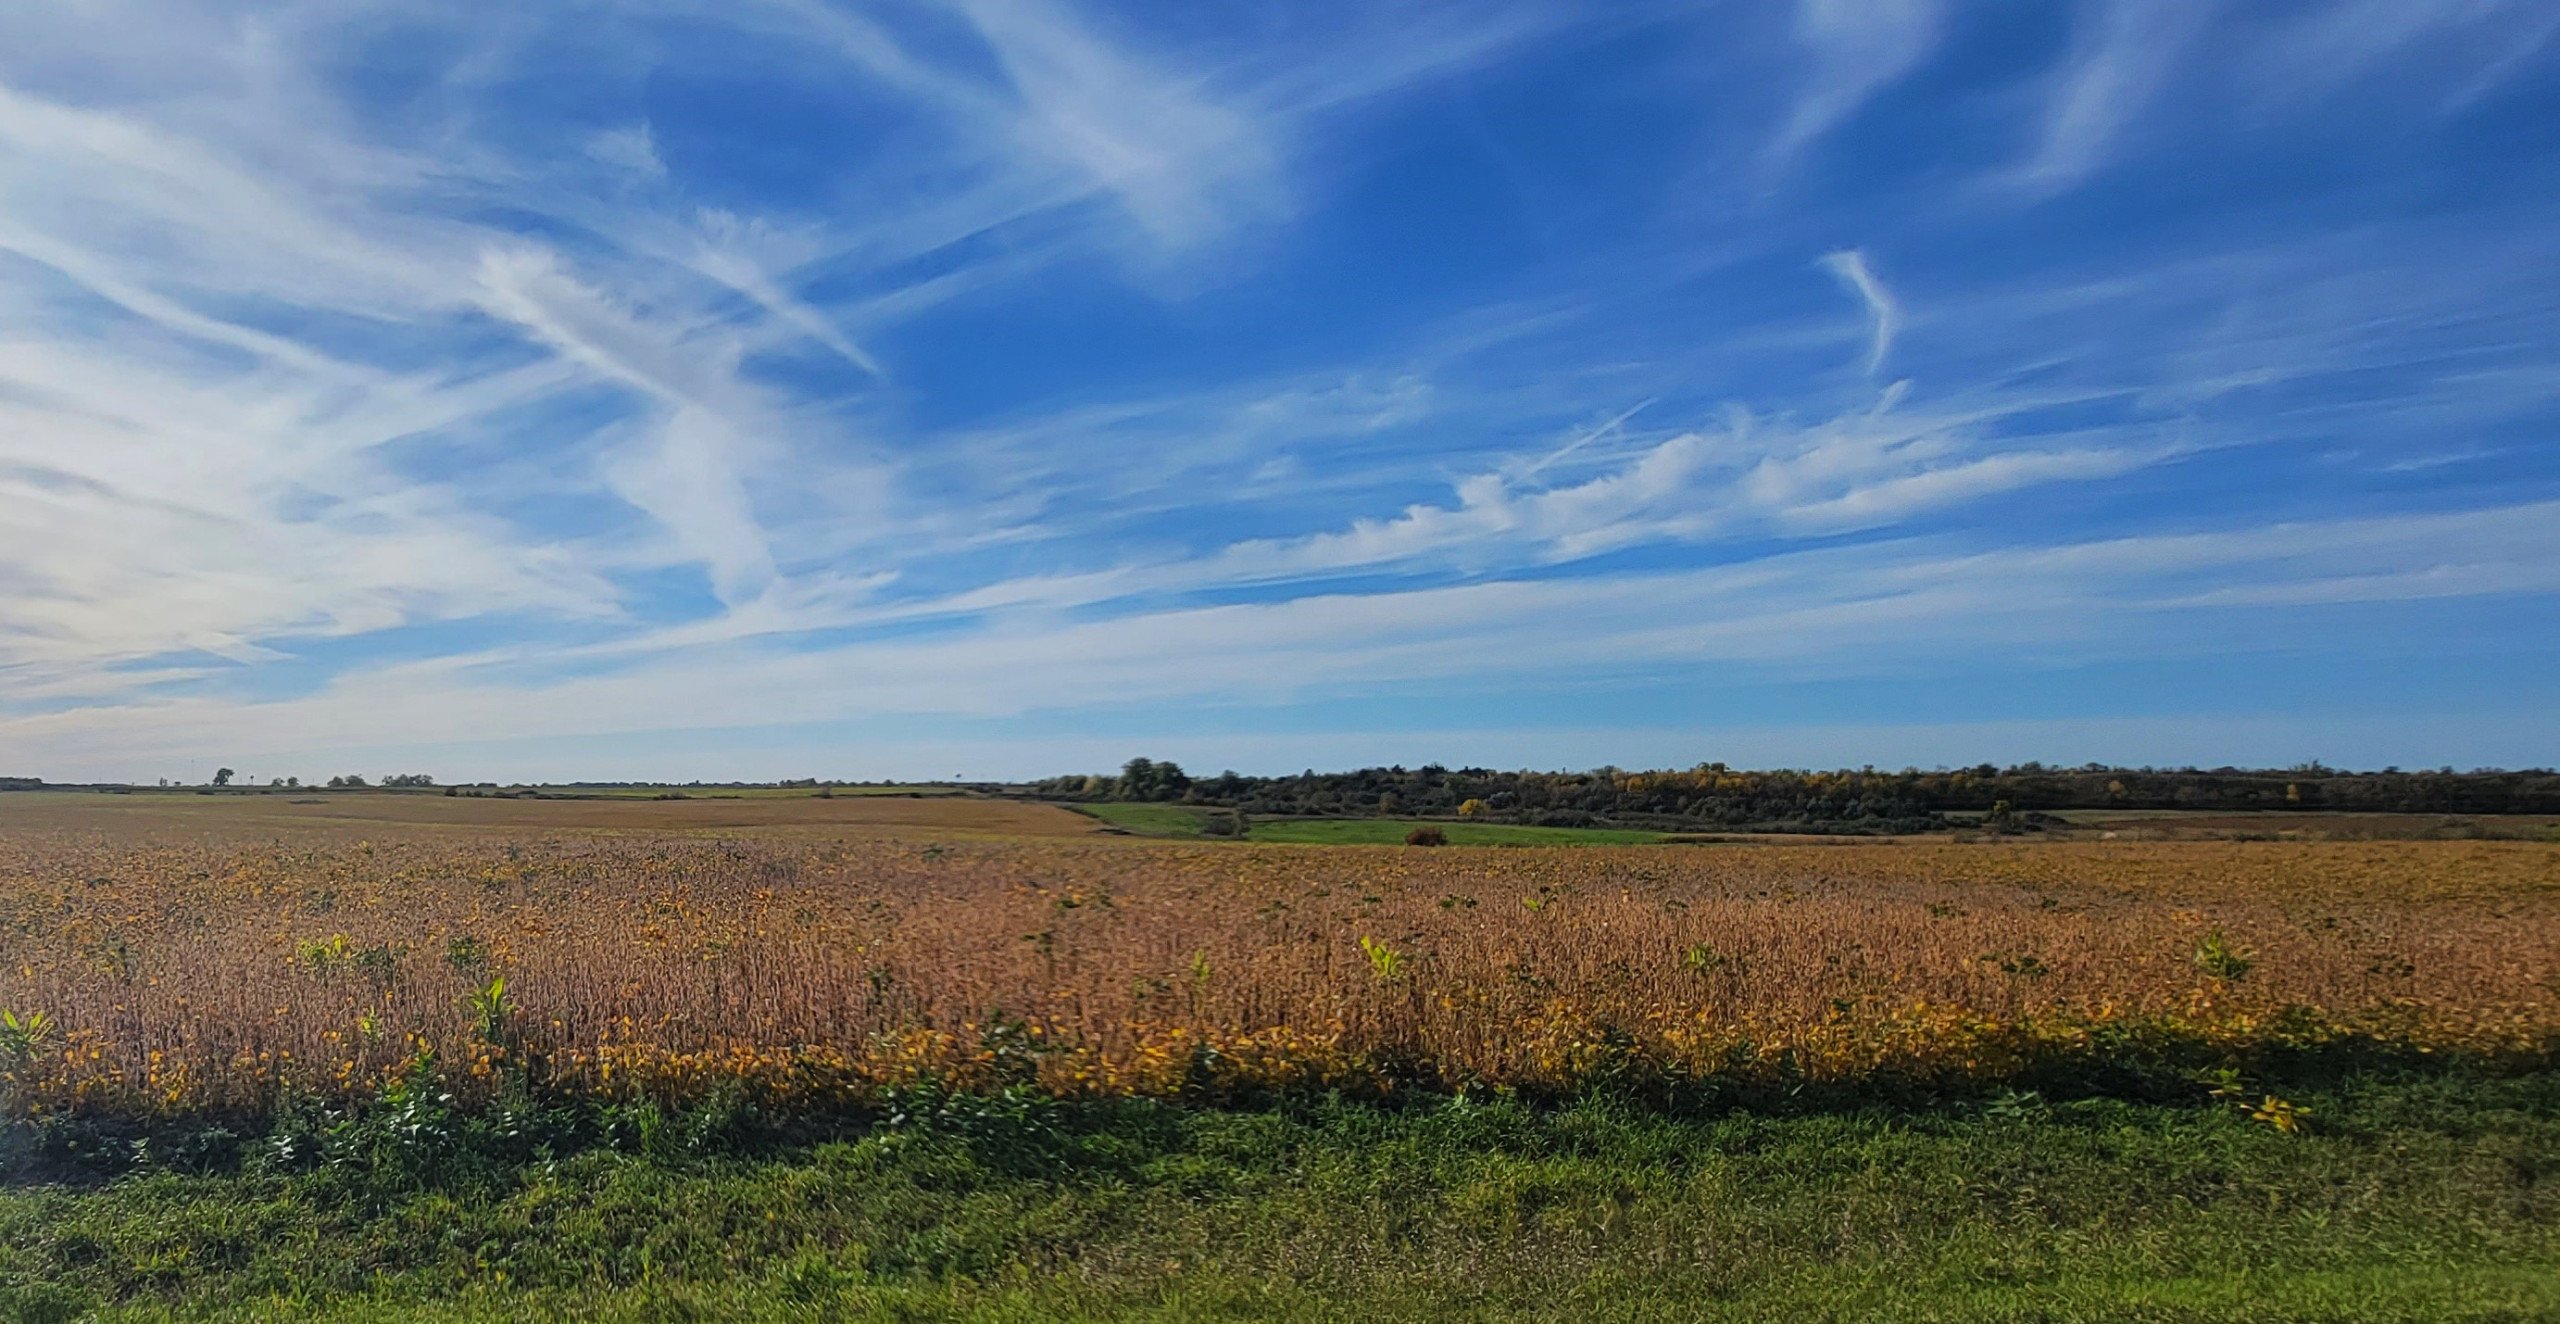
<point>183,975</point>
<point>1426,836</point>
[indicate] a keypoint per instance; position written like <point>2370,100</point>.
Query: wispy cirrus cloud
<point>1855,50</point>
<point>1877,609</point>
<point>2123,53</point>
<point>229,250</point>
<point>1850,267</point>
<point>663,364</point>
<point>2126,54</point>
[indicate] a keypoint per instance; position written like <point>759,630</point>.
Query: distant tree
<point>349,782</point>
<point>1147,779</point>
<point>223,776</point>
<point>407,779</point>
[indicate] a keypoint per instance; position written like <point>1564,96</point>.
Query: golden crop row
<point>175,977</point>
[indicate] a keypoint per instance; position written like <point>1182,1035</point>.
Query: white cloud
<point>1884,315</point>
<point>742,273</point>
<point>2125,52</point>
<point>1856,610</point>
<point>291,356</point>
<point>265,331</point>
<point>632,147</point>
<point>2321,48</point>
<point>1186,167</point>
<point>1856,49</point>
<point>152,210</point>
<point>2127,55</point>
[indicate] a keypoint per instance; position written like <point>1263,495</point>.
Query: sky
<point>712,389</point>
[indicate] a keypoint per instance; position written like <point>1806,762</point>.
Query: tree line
<point>1861,799</point>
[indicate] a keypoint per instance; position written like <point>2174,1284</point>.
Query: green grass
<point>1148,820</point>
<point>2416,1199</point>
<point>1163,820</point>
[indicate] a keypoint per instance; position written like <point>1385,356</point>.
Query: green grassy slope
<point>2425,1199</point>
<point>1150,820</point>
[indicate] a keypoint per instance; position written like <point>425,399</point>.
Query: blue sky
<point>756,388</point>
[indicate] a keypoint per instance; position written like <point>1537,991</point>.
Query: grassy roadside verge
<point>2412,1197</point>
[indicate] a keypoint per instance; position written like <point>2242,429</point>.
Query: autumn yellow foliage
<point>192,974</point>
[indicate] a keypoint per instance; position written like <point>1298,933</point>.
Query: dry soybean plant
<point>171,978</point>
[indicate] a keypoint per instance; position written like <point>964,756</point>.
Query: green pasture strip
<point>2405,1199</point>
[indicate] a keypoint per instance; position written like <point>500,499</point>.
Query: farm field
<point>1183,821</point>
<point>2198,825</point>
<point>661,791</point>
<point>204,952</point>
<point>157,815</point>
<point>900,1066</point>
<point>831,952</point>
<point>1391,832</point>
